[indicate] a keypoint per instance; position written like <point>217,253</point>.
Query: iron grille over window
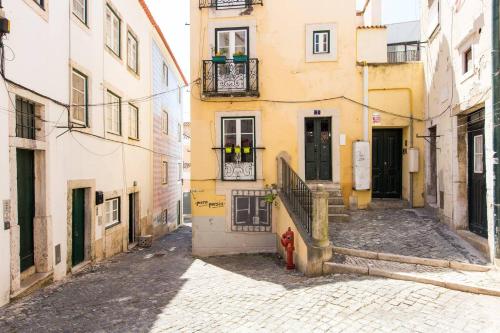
<point>250,211</point>
<point>25,119</point>
<point>231,78</point>
<point>229,4</point>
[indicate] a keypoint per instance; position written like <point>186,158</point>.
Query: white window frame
<point>165,74</point>
<point>479,153</point>
<point>132,54</point>
<point>78,105</point>
<point>238,134</point>
<point>113,113</point>
<point>112,206</point>
<point>40,3</point>
<point>164,122</point>
<point>320,45</point>
<point>164,172</point>
<point>231,47</point>
<point>133,121</point>
<point>468,67</point>
<point>80,4</point>
<point>113,42</point>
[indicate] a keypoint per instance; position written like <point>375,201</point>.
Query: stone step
<point>335,201</point>
<point>339,218</point>
<point>389,204</point>
<point>477,282</point>
<point>336,209</point>
<point>335,193</point>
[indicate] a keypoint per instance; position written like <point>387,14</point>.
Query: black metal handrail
<point>229,4</point>
<point>403,56</point>
<point>231,78</point>
<point>298,195</point>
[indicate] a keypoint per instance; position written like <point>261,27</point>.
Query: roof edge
<point>162,37</point>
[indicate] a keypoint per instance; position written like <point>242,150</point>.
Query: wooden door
<point>387,163</point>
<point>318,149</point>
<point>78,227</point>
<point>477,174</point>
<point>26,206</point>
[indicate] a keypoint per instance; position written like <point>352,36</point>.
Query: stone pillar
<point>320,217</point>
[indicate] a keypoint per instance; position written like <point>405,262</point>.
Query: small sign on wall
<point>6,214</point>
<point>376,118</point>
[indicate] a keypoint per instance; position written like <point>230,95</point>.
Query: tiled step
<point>485,282</point>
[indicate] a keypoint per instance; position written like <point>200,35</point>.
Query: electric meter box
<point>413,162</point>
<point>361,166</point>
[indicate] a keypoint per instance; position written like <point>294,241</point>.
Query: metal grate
<point>229,4</point>
<point>298,195</point>
<point>403,56</point>
<point>25,119</point>
<point>231,78</point>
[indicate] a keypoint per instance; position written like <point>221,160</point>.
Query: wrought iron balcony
<point>231,78</point>
<point>403,56</point>
<point>229,4</point>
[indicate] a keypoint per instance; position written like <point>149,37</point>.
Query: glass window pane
<point>247,126</point>
<point>229,126</point>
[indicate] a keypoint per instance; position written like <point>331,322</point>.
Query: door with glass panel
<point>232,76</point>
<point>238,142</point>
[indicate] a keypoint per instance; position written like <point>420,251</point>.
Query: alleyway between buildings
<point>164,289</point>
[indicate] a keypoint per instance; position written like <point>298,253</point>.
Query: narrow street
<point>164,289</point>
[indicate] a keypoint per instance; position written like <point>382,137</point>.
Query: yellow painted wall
<point>284,75</point>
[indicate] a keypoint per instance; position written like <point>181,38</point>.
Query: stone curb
<point>412,260</point>
<point>335,268</point>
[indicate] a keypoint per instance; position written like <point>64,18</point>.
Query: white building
<point>77,128</point>
<point>457,56</point>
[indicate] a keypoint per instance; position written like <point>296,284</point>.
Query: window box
<point>219,59</point>
<point>240,58</point>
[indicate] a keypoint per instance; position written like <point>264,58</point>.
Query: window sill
<point>118,57</point>
<point>114,133</point>
<point>467,76</point>
<point>112,225</point>
<point>134,73</point>
<point>84,25</point>
<point>134,139</point>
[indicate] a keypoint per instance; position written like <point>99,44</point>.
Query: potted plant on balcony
<point>228,149</point>
<point>246,150</point>
<point>239,57</point>
<point>219,57</point>
<point>237,150</point>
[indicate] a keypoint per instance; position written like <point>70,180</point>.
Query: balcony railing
<point>403,56</point>
<point>229,4</point>
<point>238,79</point>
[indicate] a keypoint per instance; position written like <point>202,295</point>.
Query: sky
<point>173,15</point>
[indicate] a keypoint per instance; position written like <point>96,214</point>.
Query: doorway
<point>318,149</point>
<point>132,218</point>
<point>26,206</point>
<point>433,181</point>
<point>387,163</point>
<point>78,227</point>
<point>477,174</point>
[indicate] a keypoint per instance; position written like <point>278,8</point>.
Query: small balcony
<point>231,78</point>
<point>229,4</point>
<point>403,56</point>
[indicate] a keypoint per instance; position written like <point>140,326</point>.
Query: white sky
<point>172,16</point>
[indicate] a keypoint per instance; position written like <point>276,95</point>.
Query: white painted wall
<point>47,45</point>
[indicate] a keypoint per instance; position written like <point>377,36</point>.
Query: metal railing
<point>298,195</point>
<point>403,56</point>
<point>229,4</point>
<point>231,78</point>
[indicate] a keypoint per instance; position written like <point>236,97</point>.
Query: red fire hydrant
<point>287,241</point>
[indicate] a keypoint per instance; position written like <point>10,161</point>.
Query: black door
<point>78,227</point>
<point>179,212</point>
<point>477,174</point>
<point>131,218</point>
<point>318,148</point>
<point>26,205</point>
<point>387,161</point>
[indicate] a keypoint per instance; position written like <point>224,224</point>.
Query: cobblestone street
<point>165,289</point>
<point>403,231</point>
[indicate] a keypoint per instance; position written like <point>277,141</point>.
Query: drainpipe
<point>496,122</point>
<point>365,101</point>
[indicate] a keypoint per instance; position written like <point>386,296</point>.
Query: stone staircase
<point>336,208</point>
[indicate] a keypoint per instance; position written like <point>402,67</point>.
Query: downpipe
<point>496,122</point>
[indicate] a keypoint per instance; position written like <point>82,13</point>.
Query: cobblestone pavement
<point>490,279</point>
<point>404,232</point>
<point>163,289</point>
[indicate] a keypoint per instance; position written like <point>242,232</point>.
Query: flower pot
<point>229,150</point>
<point>246,150</point>
<point>237,150</point>
<point>219,59</point>
<point>240,58</point>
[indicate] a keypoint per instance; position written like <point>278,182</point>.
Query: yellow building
<point>295,81</point>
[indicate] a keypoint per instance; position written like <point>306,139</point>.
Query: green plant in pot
<point>271,196</point>
<point>219,57</point>
<point>240,56</point>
